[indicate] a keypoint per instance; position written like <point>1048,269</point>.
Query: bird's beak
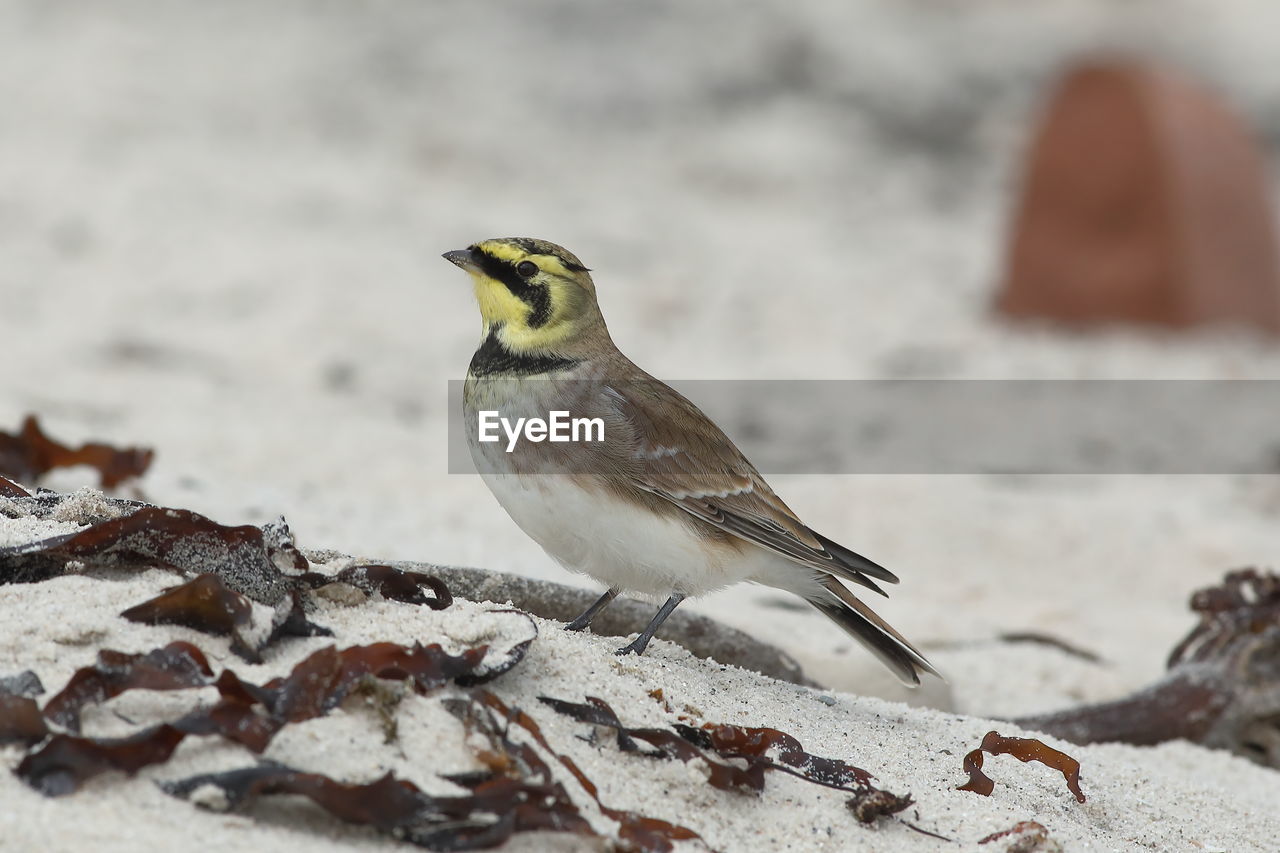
<point>461,258</point>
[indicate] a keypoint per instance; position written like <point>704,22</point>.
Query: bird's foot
<point>587,615</point>
<point>640,643</point>
<point>635,647</point>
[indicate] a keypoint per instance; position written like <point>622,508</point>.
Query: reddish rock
<point>1145,201</point>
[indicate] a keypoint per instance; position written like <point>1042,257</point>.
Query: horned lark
<point>664,505</point>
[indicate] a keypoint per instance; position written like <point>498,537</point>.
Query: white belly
<point>623,546</point>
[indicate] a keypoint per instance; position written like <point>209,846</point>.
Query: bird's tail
<point>841,606</point>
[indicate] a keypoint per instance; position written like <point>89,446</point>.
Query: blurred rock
<point>1144,201</point>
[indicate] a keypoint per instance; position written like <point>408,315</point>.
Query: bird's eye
<point>527,269</point>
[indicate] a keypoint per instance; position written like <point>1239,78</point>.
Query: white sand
<point>221,228</point>
<point>1172,797</point>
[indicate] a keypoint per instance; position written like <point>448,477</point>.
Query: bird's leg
<point>590,613</point>
<point>638,645</point>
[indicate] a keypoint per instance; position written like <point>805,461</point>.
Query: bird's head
<point>537,296</point>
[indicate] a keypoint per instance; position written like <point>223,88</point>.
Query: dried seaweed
<point>756,745</point>
<point>518,793</point>
<point>173,538</point>
<point>500,661</point>
<point>387,804</point>
<point>10,489</point>
<point>760,748</point>
<point>235,716</point>
<point>1023,749</point>
<point>640,832</point>
<point>517,779</point>
<point>21,720</point>
<point>1222,688</point>
<point>29,454</point>
<point>497,808</point>
<point>177,666</point>
<point>321,683</point>
<point>206,604</point>
<point>670,744</point>
<point>396,584</point>
<point>65,762</point>
<point>245,713</point>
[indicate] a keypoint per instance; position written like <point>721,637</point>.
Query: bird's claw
<point>634,648</point>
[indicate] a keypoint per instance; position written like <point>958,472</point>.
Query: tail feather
<point>856,563</point>
<point>860,622</point>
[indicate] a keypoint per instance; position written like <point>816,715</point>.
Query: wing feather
<point>683,457</point>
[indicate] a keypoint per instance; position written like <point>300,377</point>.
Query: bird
<point>664,504</point>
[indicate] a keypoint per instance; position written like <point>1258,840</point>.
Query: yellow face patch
<point>534,298</point>
<point>498,305</point>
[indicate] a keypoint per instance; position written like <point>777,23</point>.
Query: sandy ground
<point>1174,797</point>
<point>220,231</point>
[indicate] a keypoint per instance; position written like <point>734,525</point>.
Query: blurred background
<point>220,229</point>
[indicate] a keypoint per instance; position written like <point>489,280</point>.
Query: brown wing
<point>685,458</point>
